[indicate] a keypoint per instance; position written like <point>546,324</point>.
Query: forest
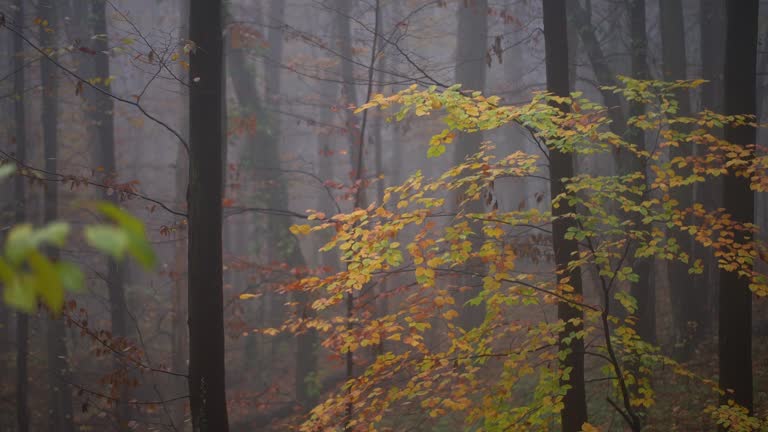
<point>383,215</point>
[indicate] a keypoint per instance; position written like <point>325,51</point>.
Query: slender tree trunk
<point>471,51</point>
<point>602,69</point>
<point>103,116</point>
<point>688,303</point>
<point>644,291</point>
<point>574,413</point>
<point>735,317</point>
<point>244,86</point>
<point>179,299</point>
<point>325,170</point>
<point>381,303</point>
<point>288,244</point>
<point>712,25</point>
<point>207,385</point>
<point>349,96</point>
<point>348,87</point>
<point>179,331</point>
<point>20,216</point>
<point>59,395</point>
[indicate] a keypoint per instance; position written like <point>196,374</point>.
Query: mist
<point>383,215</point>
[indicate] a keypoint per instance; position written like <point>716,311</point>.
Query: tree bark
<point>207,385</point>
<point>712,26</point>
<point>471,50</point>
<point>59,395</point>
<point>103,117</point>
<point>688,306</point>
<point>735,316</point>
<point>179,299</point>
<point>605,76</point>
<point>644,291</point>
<point>574,413</point>
<point>349,96</point>
<point>20,216</point>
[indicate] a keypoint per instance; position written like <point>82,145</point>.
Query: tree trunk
<point>735,317</point>
<point>103,116</point>
<point>644,291</point>
<point>712,26</point>
<point>20,216</point>
<point>59,395</point>
<point>179,299</point>
<point>471,51</point>
<point>688,307</point>
<point>288,249</point>
<point>244,88</point>
<point>348,87</point>
<point>574,413</point>
<point>605,77</point>
<point>349,96</point>
<point>207,385</point>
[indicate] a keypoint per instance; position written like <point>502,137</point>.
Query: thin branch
<point>58,177</point>
<point>106,93</point>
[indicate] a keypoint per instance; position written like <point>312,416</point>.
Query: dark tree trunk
<point>103,117</point>
<point>381,303</point>
<point>605,76</point>
<point>207,386</point>
<point>644,290</point>
<point>349,96</point>
<point>179,330</point>
<point>59,394</point>
<point>574,413</point>
<point>688,303</point>
<point>471,49</point>
<point>20,216</point>
<point>735,317</point>
<point>712,25</point>
<point>343,13</point>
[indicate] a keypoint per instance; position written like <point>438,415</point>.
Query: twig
<point>86,82</point>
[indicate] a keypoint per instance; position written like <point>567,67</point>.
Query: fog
<point>102,100</point>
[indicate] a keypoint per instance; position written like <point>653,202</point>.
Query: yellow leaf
<point>300,229</point>
<point>271,331</point>
<point>450,314</point>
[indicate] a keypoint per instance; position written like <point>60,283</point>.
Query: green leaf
<point>71,276</point>
<point>435,150</point>
<point>20,295</point>
<point>54,233</point>
<point>121,218</point>
<point>46,281</point>
<point>6,272</point>
<point>19,243</point>
<point>141,250</point>
<point>6,170</point>
<point>626,300</point>
<point>15,293</point>
<point>108,239</point>
<point>128,237</point>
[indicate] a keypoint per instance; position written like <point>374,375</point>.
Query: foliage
<point>29,273</point>
<point>432,367</point>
